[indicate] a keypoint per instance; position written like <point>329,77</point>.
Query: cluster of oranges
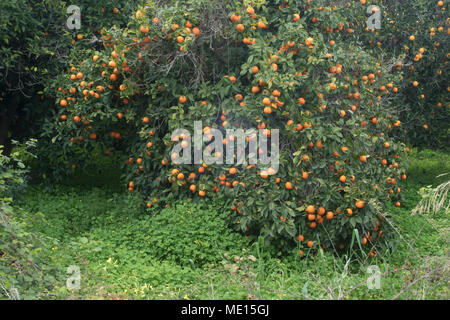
<point>338,160</point>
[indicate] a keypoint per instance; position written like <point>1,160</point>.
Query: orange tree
<point>35,44</point>
<point>414,39</point>
<point>295,66</point>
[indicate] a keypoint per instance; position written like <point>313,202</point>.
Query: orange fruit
<point>144,29</point>
<point>268,110</point>
<point>359,204</point>
<point>321,211</point>
<point>266,101</point>
<point>309,41</point>
<point>250,11</point>
<point>310,209</point>
<point>240,27</point>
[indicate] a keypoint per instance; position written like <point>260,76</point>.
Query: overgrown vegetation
<point>125,252</point>
<point>351,195</point>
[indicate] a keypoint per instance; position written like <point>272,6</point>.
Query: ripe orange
<point>310,209</point>
<point>235,18</point>
<point>266,101</point>
<point>250,11</point>
<point>268,110</point>
<point>255,89</point>
<point>321,211</point>
<point>359,204</point>
<point>305,175</point>
<point>309,41</point>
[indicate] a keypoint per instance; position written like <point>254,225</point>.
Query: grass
<point>124,253</point>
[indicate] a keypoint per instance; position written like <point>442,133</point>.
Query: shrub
<point>13,169</point>
<point>26,268</point>
<point>186,233</point>
<point>192,234</point>
<point>306,76</point>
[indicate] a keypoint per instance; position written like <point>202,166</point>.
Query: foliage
<point>35,46</point>
<point>13,169</point>
<point>117,264</point>
<point>327,96</point>
<point>414,39</point>
<point>191,235</point>
<point>26,265</point>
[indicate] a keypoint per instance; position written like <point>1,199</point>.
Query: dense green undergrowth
<point>186,251</point>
